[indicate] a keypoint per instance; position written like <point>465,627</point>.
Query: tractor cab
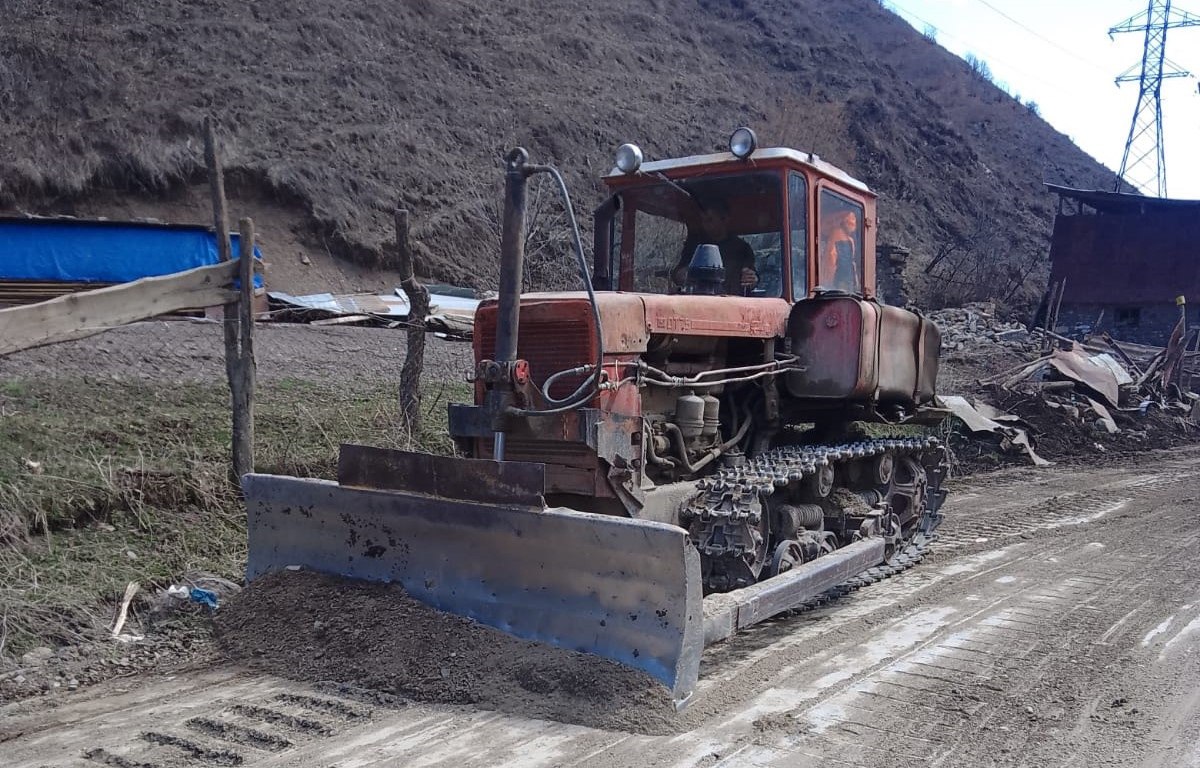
<point>785,223</point>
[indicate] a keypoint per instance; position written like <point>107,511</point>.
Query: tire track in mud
<point>997,523</point>
<point>1062,676</point>
<point>236,732</point>
<point>969,526</point>
<point>978,690</point>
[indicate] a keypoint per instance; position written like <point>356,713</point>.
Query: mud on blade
<point>625,589</point>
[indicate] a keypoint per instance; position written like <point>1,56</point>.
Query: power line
<point>971,48</point>
<point>1044,39</point>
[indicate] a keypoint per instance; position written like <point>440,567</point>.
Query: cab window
<point>839,256</point>
<point>656,251</point>
<point>798,216</point>
<point>664,222</point>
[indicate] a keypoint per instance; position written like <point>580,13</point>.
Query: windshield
<point>665,222</point>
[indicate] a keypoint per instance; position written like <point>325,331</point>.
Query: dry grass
<point>103,483</point>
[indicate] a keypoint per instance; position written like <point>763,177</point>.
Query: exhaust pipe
<point>508,320</point>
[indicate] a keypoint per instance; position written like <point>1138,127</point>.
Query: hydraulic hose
<point>720,382</point>
<point>549,382</point>
<point>591,385</point>
<point>687,380</point>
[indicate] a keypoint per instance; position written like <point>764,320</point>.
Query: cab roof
<point>806,159</point>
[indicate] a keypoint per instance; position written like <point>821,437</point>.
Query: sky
<point>1058,54</point>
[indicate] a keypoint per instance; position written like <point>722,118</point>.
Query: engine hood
<point>630,319</point>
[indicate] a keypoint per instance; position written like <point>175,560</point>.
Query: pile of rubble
<point>1073,397</point>
<point>975,327</point>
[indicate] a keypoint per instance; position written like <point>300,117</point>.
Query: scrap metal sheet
<point>395,304</point>
<point>1079,368</point>
<point>977,422</point>
<point>352,304</point>
<point>1118,371</point>
<point>628,590</point>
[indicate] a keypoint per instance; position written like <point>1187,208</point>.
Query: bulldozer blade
<point>628,590</point>
<point>506,483</point>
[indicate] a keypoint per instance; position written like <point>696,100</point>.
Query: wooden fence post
<point>414,356</point>
<point>1051,318</point>
<point>243,459</point>
<point>247,368</point>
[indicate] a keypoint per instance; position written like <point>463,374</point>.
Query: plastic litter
<point>204,597</point>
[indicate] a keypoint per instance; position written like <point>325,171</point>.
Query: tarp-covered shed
<point>67,250</point>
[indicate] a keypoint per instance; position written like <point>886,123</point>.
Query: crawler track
<point>824,496</point>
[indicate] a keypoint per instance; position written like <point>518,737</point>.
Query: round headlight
<point>742,143</point>
<point>629,158</point>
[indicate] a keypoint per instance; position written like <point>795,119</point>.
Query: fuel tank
<point>858,351</point>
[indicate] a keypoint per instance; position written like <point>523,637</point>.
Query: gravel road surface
<point>1057,624</point>
<point>194,351</point>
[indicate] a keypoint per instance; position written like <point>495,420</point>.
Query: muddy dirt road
<point>1058,624</point>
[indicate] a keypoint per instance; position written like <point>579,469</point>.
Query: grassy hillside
<point>339,108</point>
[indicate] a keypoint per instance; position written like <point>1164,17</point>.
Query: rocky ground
<point>193,351</point>
<point>184,640</point>
<point>977,343</point>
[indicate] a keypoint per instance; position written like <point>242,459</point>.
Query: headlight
<point>742,143</point>
<point>629,158</point>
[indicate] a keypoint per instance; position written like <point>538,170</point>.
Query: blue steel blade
<point>628,590</point>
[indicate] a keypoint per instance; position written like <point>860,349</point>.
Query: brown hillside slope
<point>342,107</point>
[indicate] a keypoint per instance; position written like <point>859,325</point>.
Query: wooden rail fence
<point>82,314</point>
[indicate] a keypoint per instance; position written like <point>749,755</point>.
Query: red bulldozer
<point>692,443</point>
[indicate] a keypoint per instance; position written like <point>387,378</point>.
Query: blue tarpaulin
<point>103,251</point>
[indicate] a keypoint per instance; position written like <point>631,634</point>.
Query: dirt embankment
<point>316,627</point>
<point>328,108</point>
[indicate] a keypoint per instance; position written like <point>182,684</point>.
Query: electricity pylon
<point>1143,164</point>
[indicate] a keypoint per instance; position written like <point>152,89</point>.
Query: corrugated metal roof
<point>1120,202</point>
<point>385,305</point>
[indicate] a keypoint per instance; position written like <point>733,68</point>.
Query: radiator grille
<point>549,344</point>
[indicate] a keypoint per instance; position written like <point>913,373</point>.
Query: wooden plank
<point>13,292</point>
<point>83,314</point>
